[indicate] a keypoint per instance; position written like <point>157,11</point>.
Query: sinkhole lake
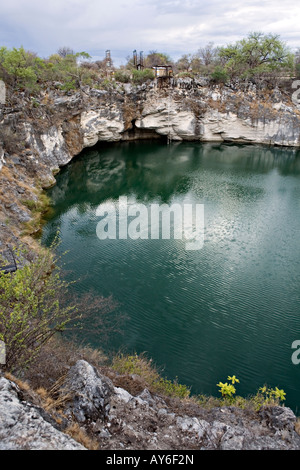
<point>231,307</point>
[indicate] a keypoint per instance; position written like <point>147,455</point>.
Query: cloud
<point>171,26</point>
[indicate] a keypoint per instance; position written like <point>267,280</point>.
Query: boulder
<point>89,393</point>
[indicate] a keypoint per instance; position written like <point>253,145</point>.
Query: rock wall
<point>61,126</point>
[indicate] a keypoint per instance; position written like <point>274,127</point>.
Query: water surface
<point>231,307</point>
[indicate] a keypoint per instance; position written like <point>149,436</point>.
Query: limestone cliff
<point>57,127</point>
<point>37,137</point>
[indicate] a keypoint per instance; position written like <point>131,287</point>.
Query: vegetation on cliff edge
<point>258,57</point>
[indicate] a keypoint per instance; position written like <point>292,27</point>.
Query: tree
<point>184,63</point>
<point>65,51</point>
<point>20,67</point>
<point>255,55</point>
<point>151,59</point>
<point>207,54</point>
<point>156,58</point>
<point>219,75</point>
<point>68,70</point>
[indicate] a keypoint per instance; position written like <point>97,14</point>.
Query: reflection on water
<point>153,170</point>
<point>230,308</point>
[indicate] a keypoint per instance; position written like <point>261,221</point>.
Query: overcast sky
<point>171,26</point>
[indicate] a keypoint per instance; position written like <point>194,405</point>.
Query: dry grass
<point>218,105</point>
<point>143,367</point>
<point>297,426</point>
<point>79,435</point>
<point>23,385</point>
<point>55,359</point>
<point>54,398</point>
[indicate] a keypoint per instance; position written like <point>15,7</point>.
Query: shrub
<point>268,396</point>
<point>142,76</point>
<point>122,76</point>
<point>219,75</point>
<point>228,390</point>
<point>21,68</point>
<point>31,310</point>
<point>264,396</point>
<point>256,55</point>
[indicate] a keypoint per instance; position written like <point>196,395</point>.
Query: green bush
<point>142,76</point>
<point>264,396</point>
<point>21,68</point>
<point>32,310</point>
<point>219,75</point>
<point>255,55</point>
<point>122,76</point>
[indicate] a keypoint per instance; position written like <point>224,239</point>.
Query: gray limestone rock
<point>89,393</point>
<point>22,426</point>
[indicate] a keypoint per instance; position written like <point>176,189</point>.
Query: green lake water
<point>231,307</point>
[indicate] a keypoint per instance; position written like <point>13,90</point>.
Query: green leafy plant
<point>268,396</point>
<point>142,76</point>
<point>228,390</point>
<point>259,53</point>
<point>122,76</point>
<point>264,396</point>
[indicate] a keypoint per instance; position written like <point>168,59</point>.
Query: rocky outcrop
<point>89,393</point>
<point>64,125</point>
<point>24,426</point>
<point>118,420</point>
<point>199,113</point>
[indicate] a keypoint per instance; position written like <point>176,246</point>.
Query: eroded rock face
<point>22,426</point>
<point>188,110</point>
<point>216,115</point>
<point>148,422</point>
<point>97,127</point>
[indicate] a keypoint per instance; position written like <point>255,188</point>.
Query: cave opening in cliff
<point>137,133</point>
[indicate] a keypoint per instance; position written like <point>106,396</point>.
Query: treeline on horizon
<point>260,58</point>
